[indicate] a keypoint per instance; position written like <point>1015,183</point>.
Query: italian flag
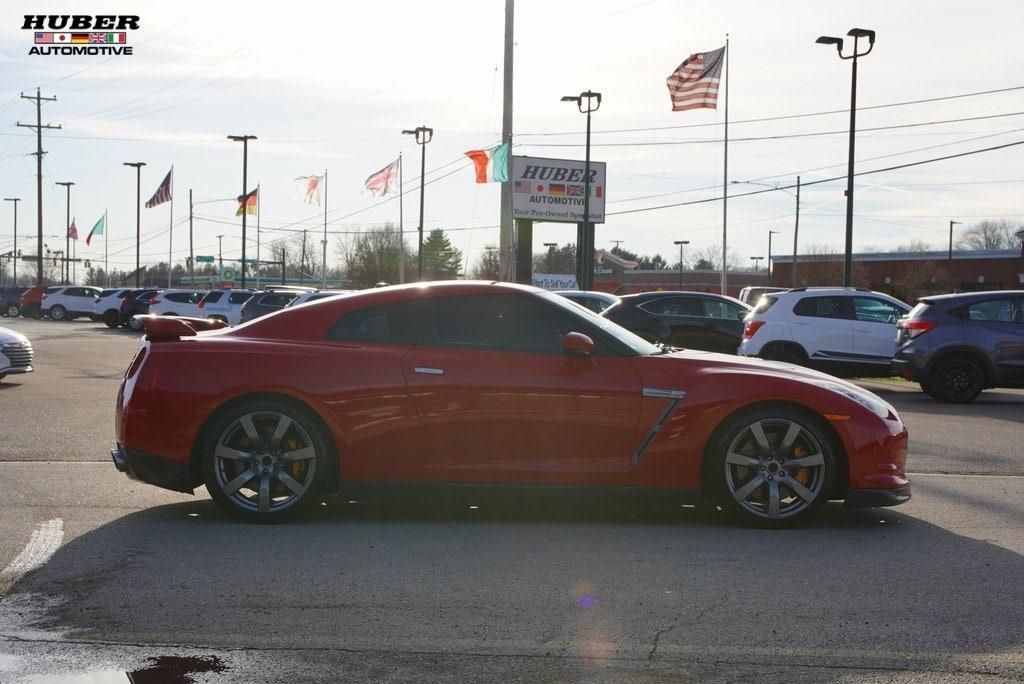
<point>491,163</point>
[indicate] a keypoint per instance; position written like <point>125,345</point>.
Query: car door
<point>875,319</point>
<point>723,324</point>
<point>997,325</point>
<point>502,403</point>
<point>823,326</point>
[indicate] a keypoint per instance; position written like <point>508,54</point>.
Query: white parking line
<point>45,541</point>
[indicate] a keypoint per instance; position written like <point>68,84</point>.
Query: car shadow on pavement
<point>867,588</point>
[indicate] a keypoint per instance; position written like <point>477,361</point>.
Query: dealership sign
<point>553,189</point>
<point>555,281</point>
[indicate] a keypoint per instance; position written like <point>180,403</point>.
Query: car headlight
<point>871,402</point>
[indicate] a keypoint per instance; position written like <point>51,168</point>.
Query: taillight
<point>153,300</point>
<point>751,328</point>
<point>44,296</point>
<point>202,303</point>
<point>915,326</point>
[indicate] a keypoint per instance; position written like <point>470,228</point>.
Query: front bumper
<point>876,498</point>
<point>154,470</point>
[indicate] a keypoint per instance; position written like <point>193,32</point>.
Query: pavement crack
<point>665,630</point>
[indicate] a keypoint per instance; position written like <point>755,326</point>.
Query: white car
<point>314,295</point>
<point>68,303</point>
<point>15,353</point>
<point>224,305</point>
<point>846,331</point>
<point>107,306</point>
<point>176,302</point>
<point>591,299</point>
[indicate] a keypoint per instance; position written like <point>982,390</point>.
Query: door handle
<point>424,370</point>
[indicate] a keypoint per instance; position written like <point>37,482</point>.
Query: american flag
<point>73,230</point>
<point>385,180</point>
<point>163,193</point>
<point>524,186</point>
<point>694,84</point>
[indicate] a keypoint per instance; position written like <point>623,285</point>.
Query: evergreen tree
<point>441,260</point>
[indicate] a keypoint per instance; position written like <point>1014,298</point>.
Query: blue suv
<point>957,345</point>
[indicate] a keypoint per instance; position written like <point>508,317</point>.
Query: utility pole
<point>14,253</point>
<point>244,139</point>
<point>65,273</point>
<point>220,254</point>
<point>302,259</point>
<point>796,228</point>
<point>39,126</point>
<point>681,243</point>
<point>191,252</point>
<point>506,236</point>
<point>138,219</point>
<point>771,271</point>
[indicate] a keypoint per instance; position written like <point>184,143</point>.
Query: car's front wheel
<point>266,460</point>
<point>772,467</point>
<point>13,310</point>
<point>111,318</point>
<point>57,312</point>
<point>957,380</point>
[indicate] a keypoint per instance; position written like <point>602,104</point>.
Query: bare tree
<point>922,278</point>
<point>372,257</point>
<point>486,268</point>
<point>712,254</point>
<point>990,234</point>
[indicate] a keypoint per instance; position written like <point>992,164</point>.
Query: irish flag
<point>491,163</point>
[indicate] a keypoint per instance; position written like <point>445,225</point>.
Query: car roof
<point>645,296</point>
<point>970,296</point>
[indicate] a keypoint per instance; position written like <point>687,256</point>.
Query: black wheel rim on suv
<point>961,379</point>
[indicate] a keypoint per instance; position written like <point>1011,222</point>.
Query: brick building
<point>969,270</point>
<point>621,276</point>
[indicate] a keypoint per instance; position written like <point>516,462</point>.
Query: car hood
<point>8,336</point>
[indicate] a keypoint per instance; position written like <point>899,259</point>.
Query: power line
<point>818,182</point>
<point>788,116</point>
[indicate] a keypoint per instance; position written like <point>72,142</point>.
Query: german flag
<point>247,203</point>
<point>79,37</point>
<point>556,189</point>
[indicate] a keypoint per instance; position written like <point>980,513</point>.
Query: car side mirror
<point>578,344</point>
<point>740,315</point>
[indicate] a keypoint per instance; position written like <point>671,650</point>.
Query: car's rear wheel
<point>111,318</point>
<point>266,460</point>
<point>772,467</point>
<point>57,312</point>
<point>927,389</point>
<point>783,353</point>
<point>958,380</point>
<point>13,310</point>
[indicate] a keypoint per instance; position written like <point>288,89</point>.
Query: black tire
<point>35,313</point>
<point>274,499</point>
<point>783,353</point>
<point>111,318</point>
<point>927,389</point>
<point>958,380</point>
<point>58,313</point>
<point>776,485</point>
<point>13,311</point>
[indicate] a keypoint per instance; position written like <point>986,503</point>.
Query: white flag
<point>307,189</point>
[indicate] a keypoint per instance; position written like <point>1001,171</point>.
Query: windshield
<point>638,345</point>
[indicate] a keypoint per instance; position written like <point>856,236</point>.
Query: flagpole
<point>725,177</point>
<point>170,233</point>
<point>258,215</point>
<point>401,222</point>
<point>106,247</point>
<point>323,276</point>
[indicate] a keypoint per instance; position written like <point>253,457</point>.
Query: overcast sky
<point>331,86</point>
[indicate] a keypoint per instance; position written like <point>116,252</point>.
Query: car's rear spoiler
<point>164,328</point>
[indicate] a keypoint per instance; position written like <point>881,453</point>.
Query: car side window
<point>995,311</point>
<point>385,324</point>
<point>821,307</point>
<point>714,308</point>
<point>673,306</point>
<point>874,310</point>
<point>239,297</point>
<point>501,322</point>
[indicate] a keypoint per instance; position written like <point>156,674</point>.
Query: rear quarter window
<point>213,297</point>
<point>385,324</point>
<point>764,303</point>
<point>239,297</point>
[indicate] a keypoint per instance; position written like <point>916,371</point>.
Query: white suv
<point>107,306</point>
<point>845,331</point>
<point>176,303</point>
<point>68,303</point>
<point>224,305</point>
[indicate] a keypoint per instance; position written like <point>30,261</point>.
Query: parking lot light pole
<point>220,254</point>
<point>856,34</point>
<point>424,135</point>
<point>551,255</point>
<point>65,271</point>
<point>244,139</point>
<point>756,259</point>
<point>681,243</point>
<point>14,252</point>
<point>588,102</point>
<point>138,218</point>
<point>951,224</point>
<point>771,272</point>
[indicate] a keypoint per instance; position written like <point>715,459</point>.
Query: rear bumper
<point>875,498</point>
<point>154,470</point>
<point>903,368</point>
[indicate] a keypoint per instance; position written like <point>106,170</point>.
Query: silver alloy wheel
<point>264,461</point>
<point>775,468</point>
<point>13,311</point>
<point>57,313</point>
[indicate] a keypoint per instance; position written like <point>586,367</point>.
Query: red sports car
<point>490,389</point>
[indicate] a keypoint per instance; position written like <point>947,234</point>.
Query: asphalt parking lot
<point>143,579</point>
